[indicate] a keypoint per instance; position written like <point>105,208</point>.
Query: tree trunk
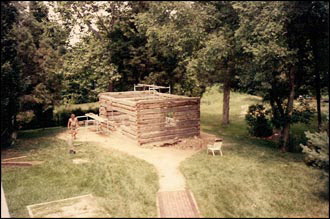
<point>317,58</point>
<point>226,97</point>
<point>286,127</point>
<point>110,87</point>
<point>318,99</point>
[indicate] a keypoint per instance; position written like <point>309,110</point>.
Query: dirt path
<point>165,159</point>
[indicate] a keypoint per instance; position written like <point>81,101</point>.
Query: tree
<point>100,18</point>
<point>219,59</point>
<point>316,14</point>
<point>171,39</point>
<point>282,56</point>
<point>87,70</point>
<point>10,71</point>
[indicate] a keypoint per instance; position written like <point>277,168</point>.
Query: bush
<point>62,116</point>
<point>317,150</point>
<point>35,119</point>
<point>317,154</point>
<point>258,121</point>
<point>50,118</point>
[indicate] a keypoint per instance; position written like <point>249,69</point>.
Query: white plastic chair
<point>216,146</point>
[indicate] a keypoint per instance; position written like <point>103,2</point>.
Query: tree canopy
<point>68,52</point>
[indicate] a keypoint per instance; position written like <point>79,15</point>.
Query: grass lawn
<point>252,179</point>
<point>124,186</point>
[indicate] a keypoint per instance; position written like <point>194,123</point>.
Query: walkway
<point>165,159</point>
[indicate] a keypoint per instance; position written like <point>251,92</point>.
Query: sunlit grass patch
<point>253,178</point>
<point>123,185</point>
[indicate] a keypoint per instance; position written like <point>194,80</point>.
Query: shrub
<point>50,118</point>
<point>62,116</point>
<point>317,154</point>
<point>317,150</point>
<point>258,121</point>
<point>25,117</point>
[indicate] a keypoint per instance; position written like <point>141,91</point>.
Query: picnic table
<point>96,120</point>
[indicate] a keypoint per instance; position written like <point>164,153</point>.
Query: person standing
<point>73,126</point>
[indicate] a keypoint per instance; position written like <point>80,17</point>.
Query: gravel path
<point>165,159</point>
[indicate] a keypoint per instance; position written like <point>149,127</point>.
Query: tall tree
<point>282,56</point>
<point>10,71</point>
<point>219,59</point>
<point>172,38</point>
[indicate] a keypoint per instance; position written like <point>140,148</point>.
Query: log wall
<point>152,125</point>
<point>147,121</point>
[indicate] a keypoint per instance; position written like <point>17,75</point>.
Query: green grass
<point>124,186</point>
<point>252,179</point>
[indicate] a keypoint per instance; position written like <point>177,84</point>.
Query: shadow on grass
<point>32,140</point>
<point>236,131</point>
<point>37,133</point>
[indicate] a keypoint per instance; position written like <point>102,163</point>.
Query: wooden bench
<point>98,121</point>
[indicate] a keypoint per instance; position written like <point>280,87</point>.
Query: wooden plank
<point>162,126</point>
<point>158,123</point>
<point>124,132</point>
<point>187,117</point>
<point>115,94</point>
<point>158,101</point>
<point>169,109</point>
<point>178,96</point>
<point>122,110</point>
<point>185,112</point>
<point>124,106</point>
<point>14,158</point>
<point>18,163</point>
<point>151,120</point>
<point>150,85</point>
<point>168,137</point>
<point>191,122</point>
<point>122,101</point>
<point>129,130</point>
<point>167,103</point>
<point>188,130</point>
<point>126,94</point>
<point>162,121</point>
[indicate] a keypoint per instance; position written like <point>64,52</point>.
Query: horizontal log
<point>109,113</point>
<point>129,130</point>
<point>122,110</point>
<point>180,113</point>
<point>125,93</point>
<point>123,106</point>
<point>187,117</point>
<point>140,117</point>
<point>121,101</point>
<point>169,109</point>
<point>168,132</point>
<point>159,118</point>
<point>164,138</point>
<point>162,121</point>
<point>151,121</point>
<point>152,128</point>
<point>158,122</point>
<point>124,132</point>
<point>167,103</point>
<point>178,96</point>
<point>188,122</point>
